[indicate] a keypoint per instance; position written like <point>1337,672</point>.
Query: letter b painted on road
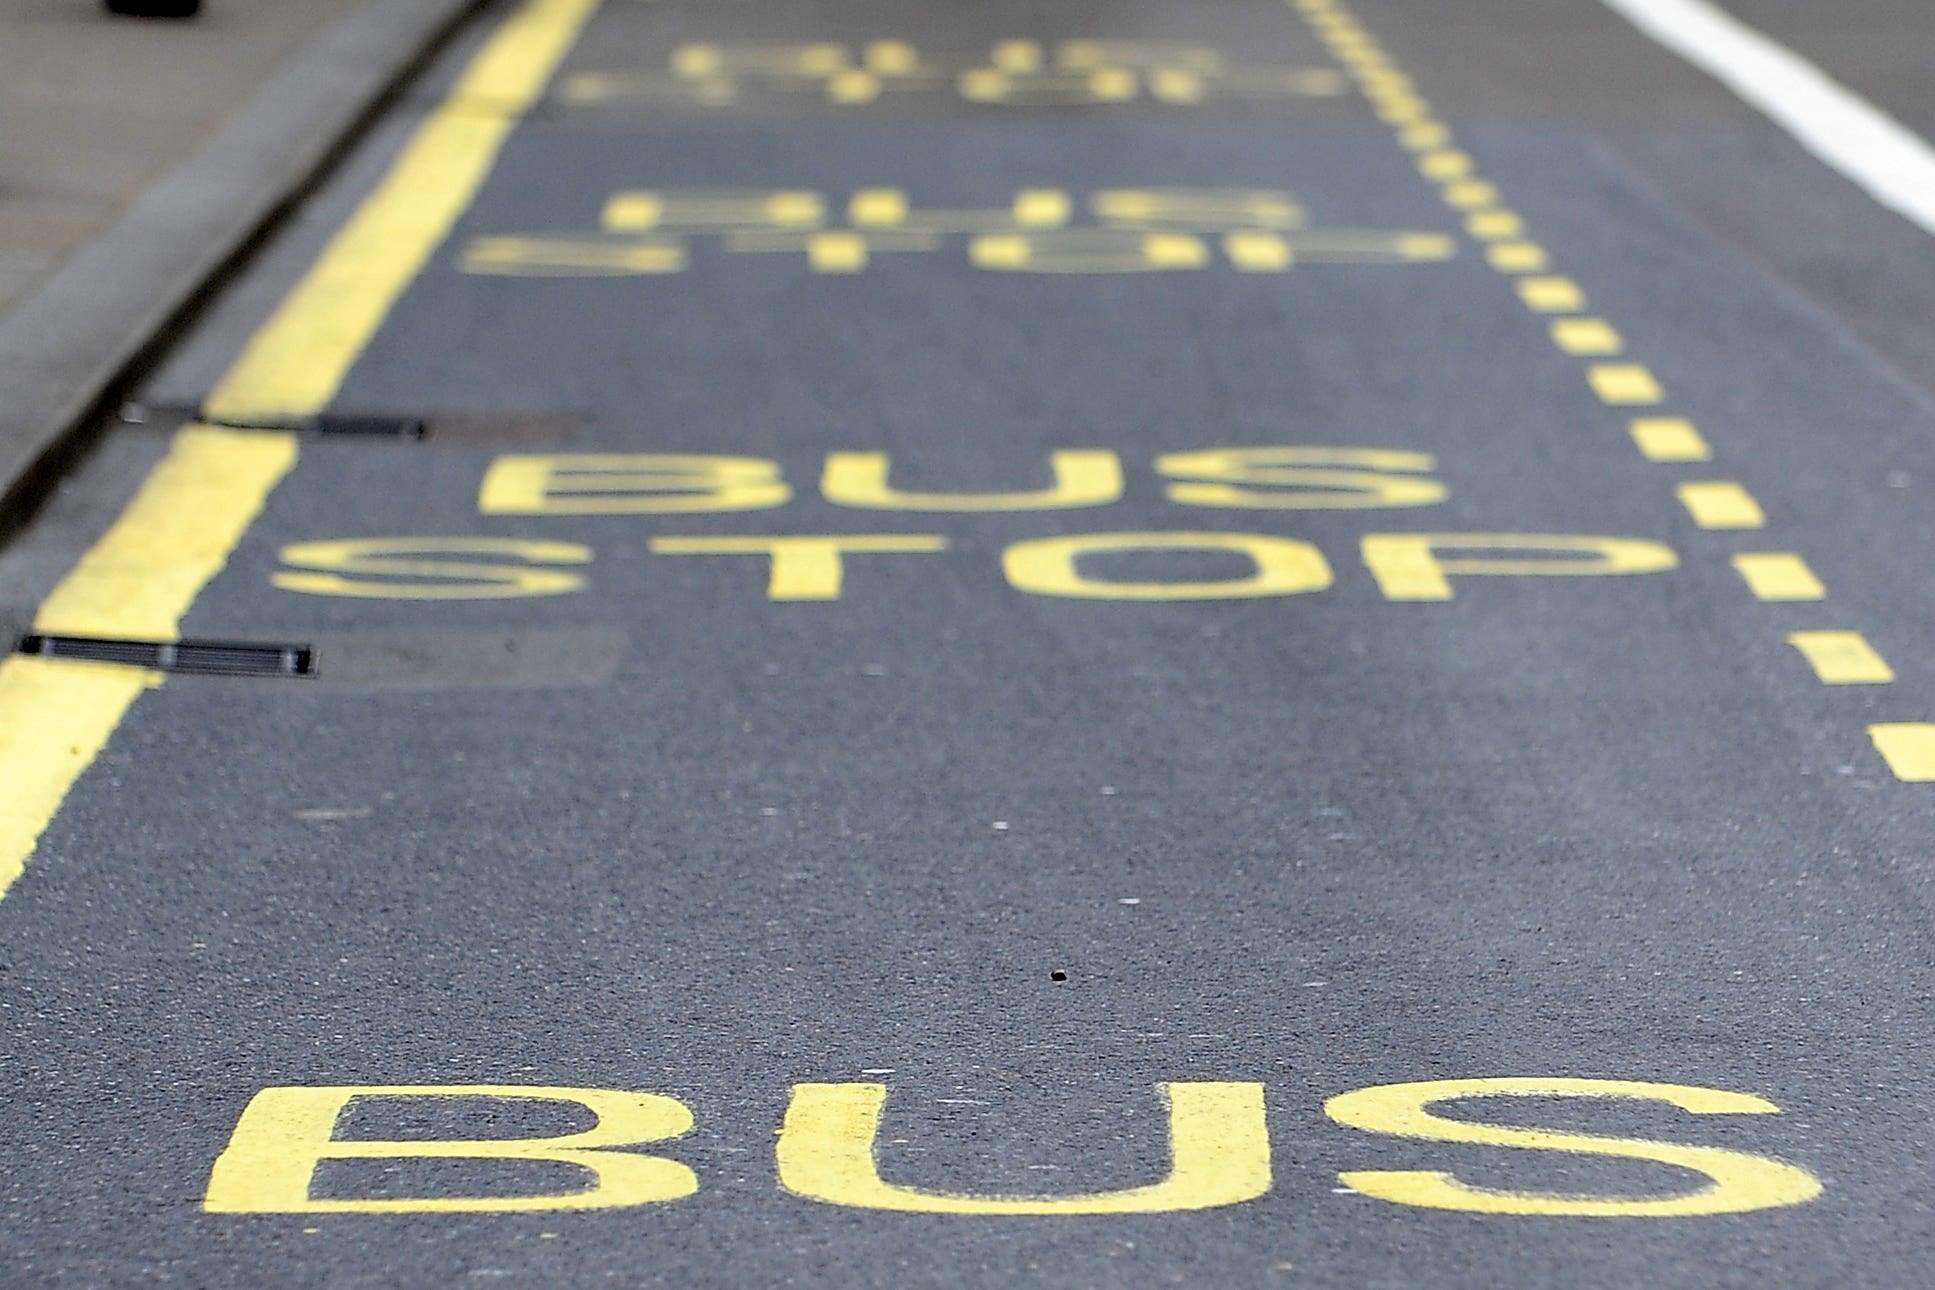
<point>286,1133</point>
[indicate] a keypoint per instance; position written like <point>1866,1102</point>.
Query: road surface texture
<point>851,643</point>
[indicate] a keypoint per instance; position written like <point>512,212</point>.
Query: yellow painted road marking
<point>1493,226</point>
<point>1721,504</point>
<point>1624,384</point>
<point>1778,575</point>
<point>1669,439</point>
<point>1586,337</point>
<point>1842,658</point>
<point>1517,257</point>
<point>1258,252</point>
<point>1551,295</point>
<point>1908,747</point>
<point>142,576</point>
<point>1470,195</point>
<point>1445,164</point>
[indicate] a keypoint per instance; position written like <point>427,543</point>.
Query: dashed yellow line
<point>1908,747</point>
<point>1669,439</point>
<point>1551,295</point>
<point>1778,575</point>
<point>1586,337</point>
<point>141,578</point>
<point>1721,504</point>
<point>1624,384</point>
<point>1841,657</point>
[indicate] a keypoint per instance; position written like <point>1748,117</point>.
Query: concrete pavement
<point>138,159</point>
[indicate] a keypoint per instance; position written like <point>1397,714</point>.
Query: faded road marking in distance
<point>145,572</point>
<point>1838,658</point>
<point>1894,165</point>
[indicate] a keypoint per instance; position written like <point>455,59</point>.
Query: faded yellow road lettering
<point>807,566</point>
<point>1219,1150</point>
<point>1280,566</point>
<point>1736,1182</point>
<point>1301,478</point>
<point>285,1133</point>
<point>629,483</point>
<point>1420,566</point>
<point>432,568</point>
<point>1082,478</point>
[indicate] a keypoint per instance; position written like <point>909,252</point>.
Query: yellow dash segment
<point>1445,164</point>
<point>295,364</point>
<point>1470,195</point>
<point>1551,295</point>
<point>1424,136</point>
<point>1042,208</point>
<point>836,252</point>
<point>1721,504</point>
<point>146,571</point>
<point>1778,575</point>
<point>1624,384</point>
<point>1495,226</point>
<point>1908,747</point>
<point>1258,252</point>
<point>1517,257</point>
<point>1842,658</point>
<point>878,208</point>
<point>1020,56</point>
<point>1669,439</point>
<point>1586,337</point>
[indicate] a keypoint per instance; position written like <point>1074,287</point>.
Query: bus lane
<point>1030,652</point>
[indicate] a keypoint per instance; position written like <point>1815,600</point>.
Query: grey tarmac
<point>1110,644</point>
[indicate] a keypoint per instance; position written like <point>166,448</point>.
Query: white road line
<point>1893,164</point>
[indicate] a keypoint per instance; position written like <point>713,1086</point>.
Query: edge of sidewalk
<point>71,345</point>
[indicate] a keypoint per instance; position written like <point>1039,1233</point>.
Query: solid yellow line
<point>1842,658</point>
<point>1908,747</point>
<point>142,576</point>
<point>295,364</point>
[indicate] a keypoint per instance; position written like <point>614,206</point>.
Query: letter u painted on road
<point>1218,1144</point>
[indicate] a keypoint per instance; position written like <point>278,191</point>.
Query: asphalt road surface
<point>1099,644</point>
